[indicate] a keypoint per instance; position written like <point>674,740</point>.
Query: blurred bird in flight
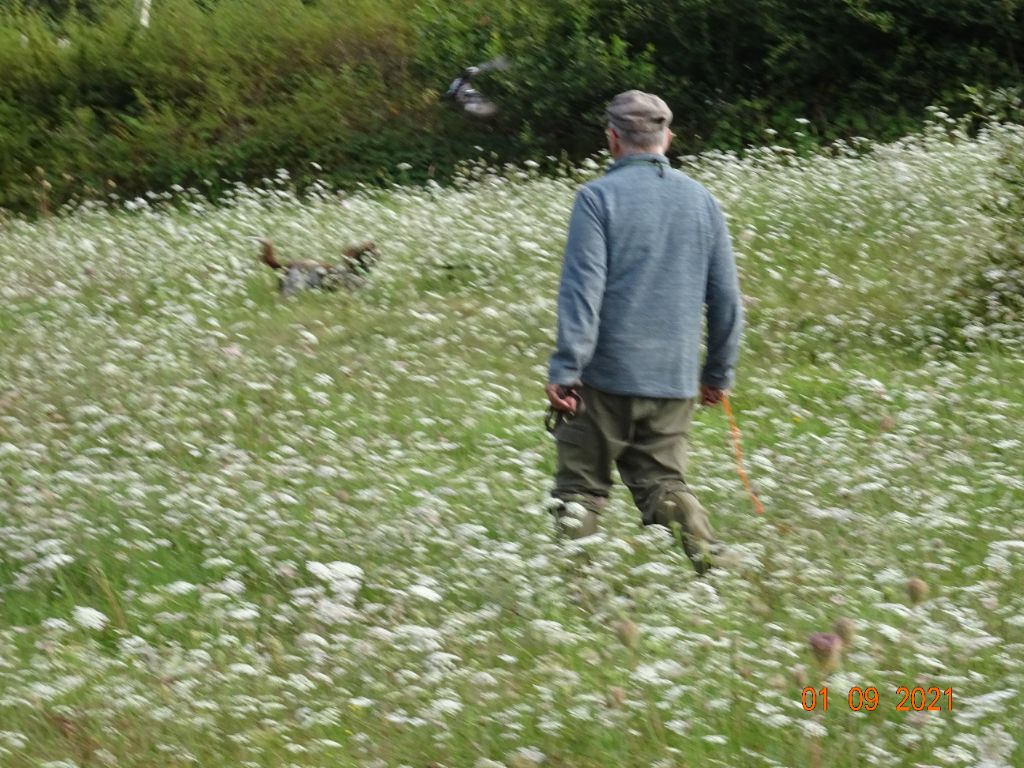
<point>462,92</point>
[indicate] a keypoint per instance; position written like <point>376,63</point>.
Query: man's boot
<point>575,518</point>
<point>680,511</point>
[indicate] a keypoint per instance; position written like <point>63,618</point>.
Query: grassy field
<point>240,531</point>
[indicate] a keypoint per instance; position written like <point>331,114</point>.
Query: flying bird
<point>462,92</point>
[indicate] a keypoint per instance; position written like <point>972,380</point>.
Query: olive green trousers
<point>645,438</point>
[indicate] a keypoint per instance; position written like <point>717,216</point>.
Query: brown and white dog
<point>294,276</point>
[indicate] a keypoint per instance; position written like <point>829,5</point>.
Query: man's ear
<point>613,139</point>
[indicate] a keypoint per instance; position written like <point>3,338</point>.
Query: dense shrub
<point>220,90</point>
<point>563,67</point>
<point>232,91</point>
<point>851,67</point>
<point>985,301</point>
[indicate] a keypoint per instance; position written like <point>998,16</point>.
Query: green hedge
<point>216,91</point>
<point>984,305</point>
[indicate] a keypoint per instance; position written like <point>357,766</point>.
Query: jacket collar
<point>653,158</point>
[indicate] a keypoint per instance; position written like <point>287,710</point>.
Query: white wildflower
<point>441,707</point>
<point>56,625</point>
<point>995,747</point>
<point>336,571</point>
<point>424,593</point>
<point>335,611</point>
<point>526,757</point>
<point>54,561</point>
<point>217,562</point>
<point>973,708</point>
<point>678,726</point>
<point>89,618</point>
<point>814,729</point>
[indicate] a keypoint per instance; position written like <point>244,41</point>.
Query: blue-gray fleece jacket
<point>648,253</point>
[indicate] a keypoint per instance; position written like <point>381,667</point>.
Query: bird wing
<point>496,64</point>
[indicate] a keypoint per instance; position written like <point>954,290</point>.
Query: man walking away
<point>648,256</point>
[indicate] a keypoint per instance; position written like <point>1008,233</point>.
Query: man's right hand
<point>562,398</point>
<point>711,395</point>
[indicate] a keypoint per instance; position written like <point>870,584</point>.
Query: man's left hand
<point>711,395</point>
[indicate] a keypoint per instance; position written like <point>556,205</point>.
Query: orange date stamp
<point>859,699</point>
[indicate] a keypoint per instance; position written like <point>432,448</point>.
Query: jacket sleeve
<point>584,271</point>
<point>724,309</point>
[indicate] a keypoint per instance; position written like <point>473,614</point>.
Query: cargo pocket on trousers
<point>571,433</point>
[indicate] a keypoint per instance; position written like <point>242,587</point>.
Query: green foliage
<point>985,303</point>
<point>203,96</point>
<point>216,91</point>
<point>563,68</point>
<point>852,67</point>
<point>998,104</point>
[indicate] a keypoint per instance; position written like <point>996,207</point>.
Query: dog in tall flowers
<point>350,273</point>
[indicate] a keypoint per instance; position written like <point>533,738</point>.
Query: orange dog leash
<point>735,430</point>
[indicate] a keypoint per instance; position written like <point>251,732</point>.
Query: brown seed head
<point>616,697</point>
<point>799,675</point>
<point>917,590</point>
<point>846,628</point>
<point>628,632</point>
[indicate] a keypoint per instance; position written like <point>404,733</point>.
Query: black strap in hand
<point>555,418</point>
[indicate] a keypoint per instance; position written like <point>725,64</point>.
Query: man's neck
<point>621,154</point>
<point>649,156</point>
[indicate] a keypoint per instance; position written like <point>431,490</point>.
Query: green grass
<point>178,446</point>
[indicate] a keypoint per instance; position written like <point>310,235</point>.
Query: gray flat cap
<point>638,112</point>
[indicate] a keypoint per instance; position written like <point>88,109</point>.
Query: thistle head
<point>827,649</point>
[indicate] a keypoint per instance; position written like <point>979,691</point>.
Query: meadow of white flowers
<point>241,531</point>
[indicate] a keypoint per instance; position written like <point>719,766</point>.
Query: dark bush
<point>216,91</point>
